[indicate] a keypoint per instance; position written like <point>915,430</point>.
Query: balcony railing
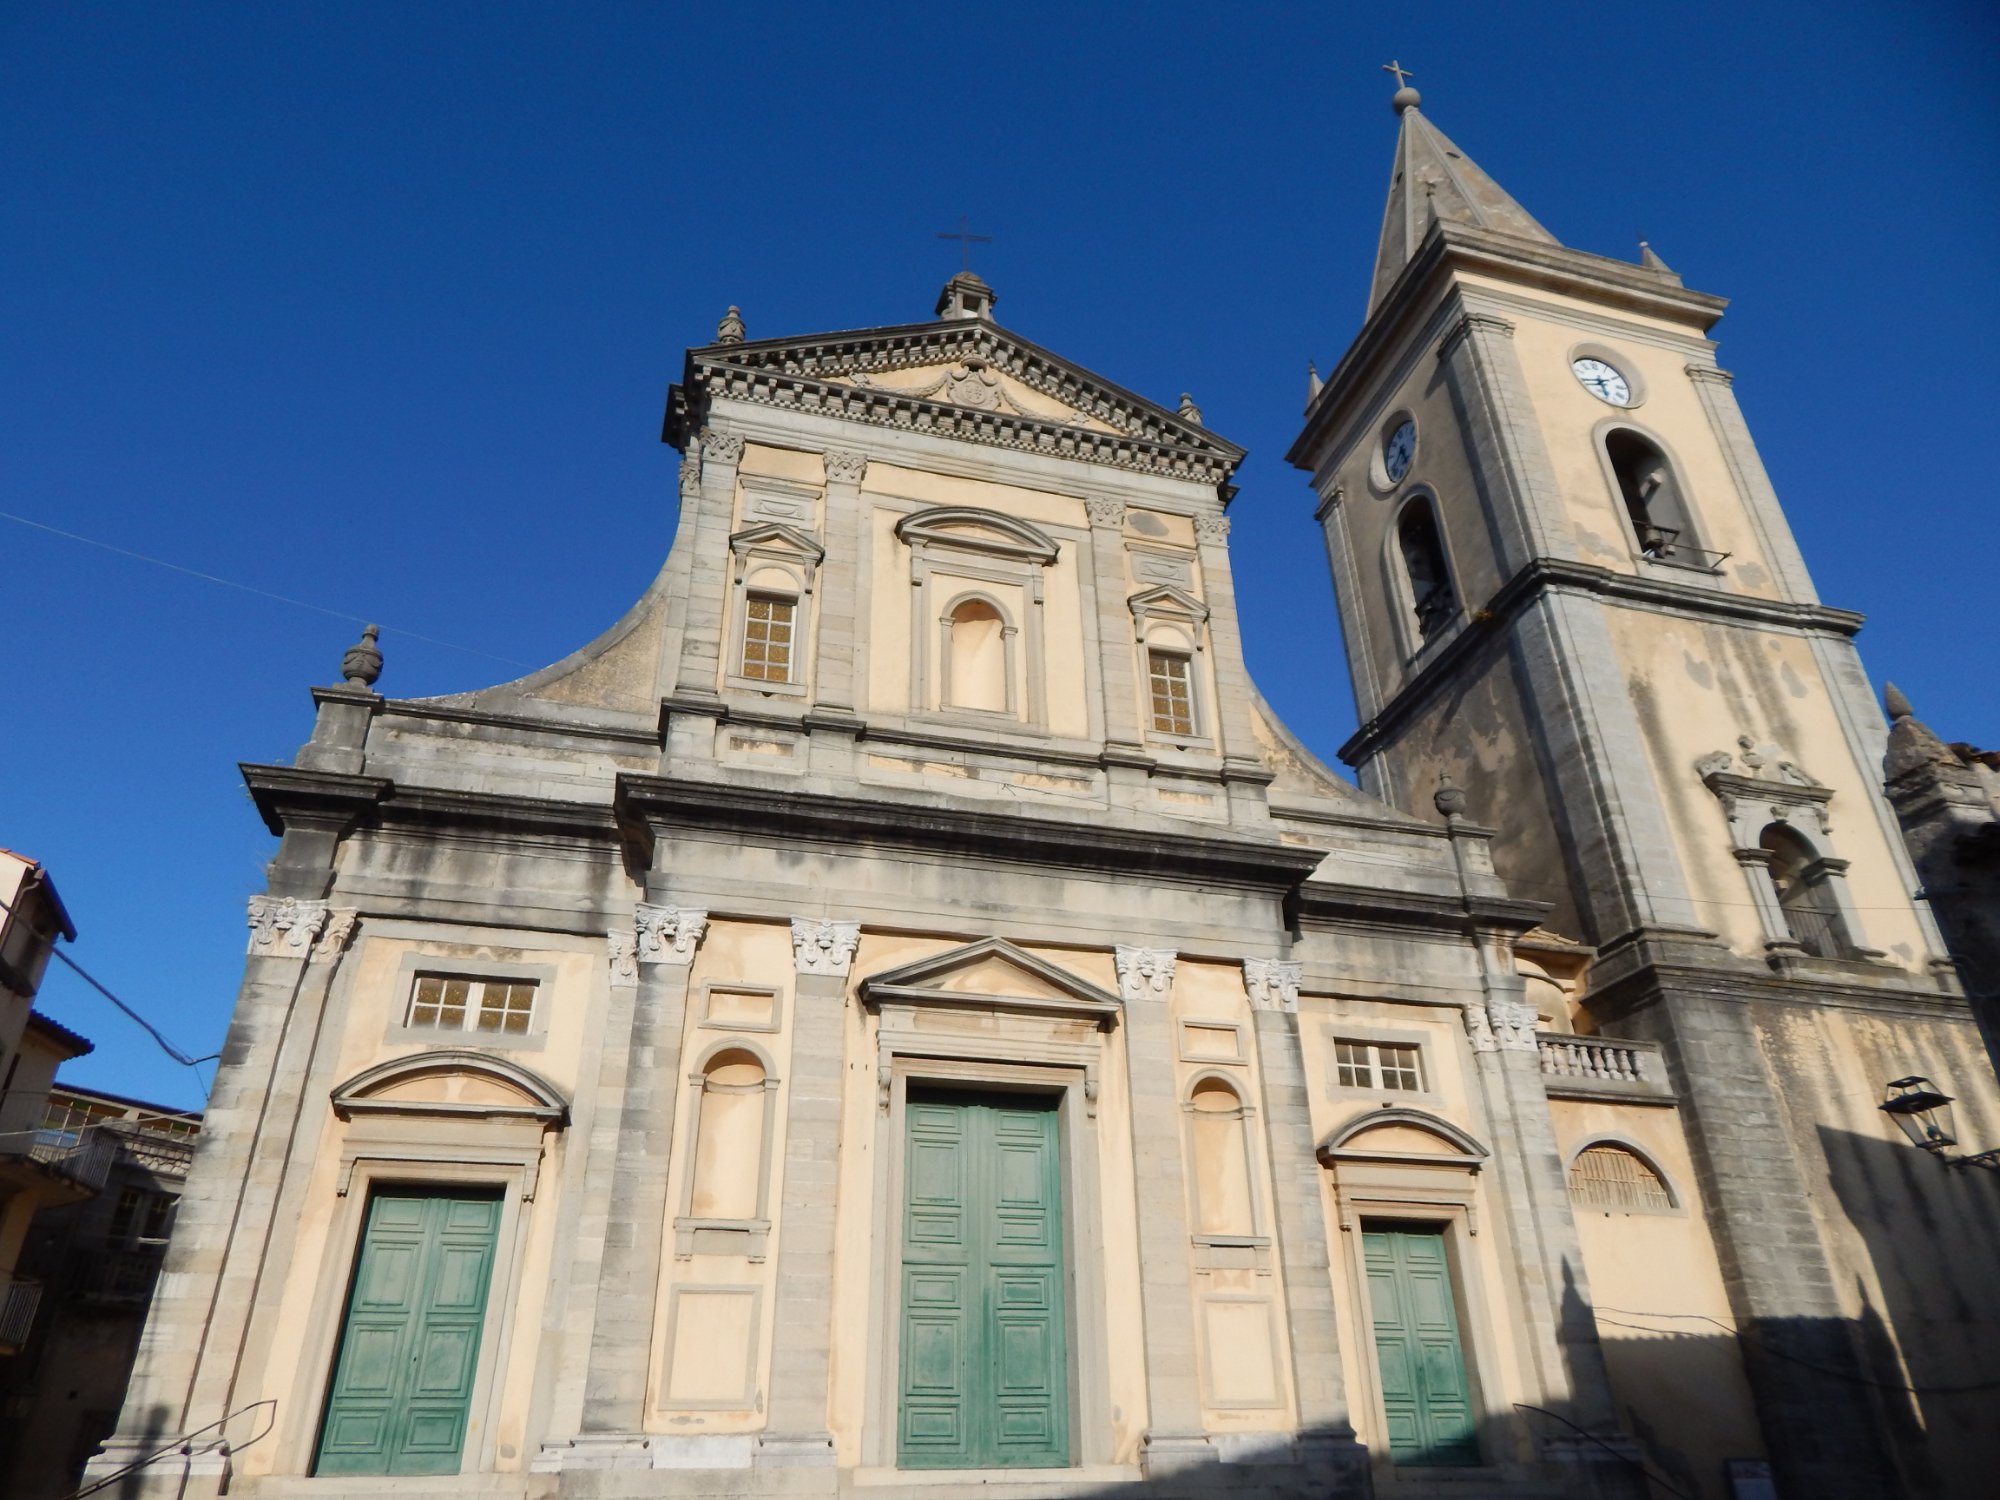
<point>1601,1067</point>
<point>84,1157</point>
<point>160,1153</point>
<point>19,1301</point>
<point>1664,544</point>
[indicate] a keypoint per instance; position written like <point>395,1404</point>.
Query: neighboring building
<point>1948,800</point>
<point>900,1012</point>
<point>96,1260</point>
<point>34,1173</point>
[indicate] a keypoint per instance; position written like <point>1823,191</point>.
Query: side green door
<point>1417,1348</point>
<point>984,1350</point>
<point>402,1381</point>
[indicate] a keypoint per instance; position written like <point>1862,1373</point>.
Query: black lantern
<point>1923,1110</point>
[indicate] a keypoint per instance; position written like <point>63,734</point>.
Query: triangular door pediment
<point>963,378</point>
<point>992,972</point>
<point>776,536</point>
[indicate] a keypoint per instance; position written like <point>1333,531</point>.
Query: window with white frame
<point>1171,676</point>
<point>449,1002</point>
<point>1395,1066</point>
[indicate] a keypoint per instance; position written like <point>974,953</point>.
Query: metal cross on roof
<point>1403,74</point>
<point>966,240</point>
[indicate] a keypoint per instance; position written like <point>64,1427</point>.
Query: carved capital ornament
<point>1144,973</point>
<point>822,945</point>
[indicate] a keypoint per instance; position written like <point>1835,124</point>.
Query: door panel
<point>984,1353</point>
<point>409,1349</point>
<point>1418,1350</point>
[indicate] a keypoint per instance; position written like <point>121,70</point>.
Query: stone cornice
<point>663,806</point>
<point>1545,574</point>
<point>1324,903</point>
<point>805,374</point>
<point>1461,248</point>
<point>288,797</point>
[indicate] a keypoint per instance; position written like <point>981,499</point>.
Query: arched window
<point>1432,598</point>
<point>1652,494</point>
<point>1812,915</point>
<point>1221,1155</point>
<point>1608,1175</point>
<point>978,658</point>
<point>728,1175</point>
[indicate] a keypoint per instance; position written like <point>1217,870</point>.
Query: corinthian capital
<point>284,926</point>
<point>723,447</point>
<point>1144,973</point>
<point>821,945</point>
<point>667,934</point>
<point>1273,984</point>
<point>845,468</point>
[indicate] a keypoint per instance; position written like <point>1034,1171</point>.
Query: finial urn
<point>730,329</point>
<point>363,662</point>
<point>1449,799</point>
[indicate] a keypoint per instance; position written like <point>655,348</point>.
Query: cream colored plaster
<point>1674,328</point>
<point>782,463</point>
<point>929,488</point>
<point>1696,687</point>
<point>755,954</point>
<point>1169,529</point>
<point>1663,1314</point>
<point>329,1223</point>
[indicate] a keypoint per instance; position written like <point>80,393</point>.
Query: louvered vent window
<point>1612,1177</point>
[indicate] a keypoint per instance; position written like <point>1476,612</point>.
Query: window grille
<point>442,1003</point>
<point>768,629</point>
<point>1379,1065</point>
<point>1612,1177</point>
<point>1173,692</point>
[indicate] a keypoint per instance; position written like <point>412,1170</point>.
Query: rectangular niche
<point>1212,1042</point>
<point>711,1348</point>
<point>740,1007</point>
<point>1239,1353</point>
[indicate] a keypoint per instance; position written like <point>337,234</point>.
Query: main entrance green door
<point>402,1381</point>
<point>984,1353</point>
<point>1417,1348</point>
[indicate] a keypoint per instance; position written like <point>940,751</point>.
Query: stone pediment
<point>775,536</point>
<point>450,1082</point>
<point>962,378</point>
<point>974,530</point>
<point>991,973</point>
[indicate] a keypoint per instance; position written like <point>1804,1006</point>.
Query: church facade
<point>900,1012</point>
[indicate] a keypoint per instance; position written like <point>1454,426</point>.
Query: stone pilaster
<point>1716,390</point>
<point>190,1354</point>
<point>1326,1432</point>
<point>801,1364</point>
<point>1526,515</point>
<point>839,583</point>
<point>1243,768</point>
<point>1126,759</point>
<point>1175,1438</point>
<point>615,1275</point>
<point>713,501</point>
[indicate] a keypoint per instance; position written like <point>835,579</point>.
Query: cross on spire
<point>1403,74</point>
<point>966,240</point>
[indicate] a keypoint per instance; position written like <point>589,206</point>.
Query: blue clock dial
<point>1397,452</point>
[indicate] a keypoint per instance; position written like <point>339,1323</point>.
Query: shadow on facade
<point>1930,1232</point>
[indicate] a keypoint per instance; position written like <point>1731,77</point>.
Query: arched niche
<point>447,1108</point>
<point>1401,1160</point>
<point>960,554</point>
<point>1420,574</point>
<point>1220,1154</point>
<point>726,1175</point>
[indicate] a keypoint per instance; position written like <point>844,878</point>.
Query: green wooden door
<point>402,1381</point>
<point>984,1351</point>
<point>1417,1348</point>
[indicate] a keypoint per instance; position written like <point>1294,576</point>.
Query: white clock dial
<point>1603,381</point>
<point>1397,452</point>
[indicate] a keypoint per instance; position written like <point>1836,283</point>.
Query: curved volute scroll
<point>455,1084</point>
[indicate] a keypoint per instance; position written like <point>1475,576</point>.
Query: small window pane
<point>1399,1068</point>
<point>767,638</point>
<point>439,1002</point>
<point>124,1215</point>
<point>1173,692</point>
<point>1352,1060</point>
<point>1611,1177</point>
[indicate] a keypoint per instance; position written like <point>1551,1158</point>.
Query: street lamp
<point>1923,1111</point>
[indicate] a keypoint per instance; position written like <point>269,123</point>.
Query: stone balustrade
<point>1601,1067</point>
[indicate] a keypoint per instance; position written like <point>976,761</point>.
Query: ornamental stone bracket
<point>1273,984</point>
<point>333,938</point>
<point>822,945</point>
<point>1144,973</point>
<point>284,926</point>
<point>668,934</point>
<point>620,948</point>
<point>1497,1025</point>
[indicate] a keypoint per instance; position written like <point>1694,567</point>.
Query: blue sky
<point>375,307</point>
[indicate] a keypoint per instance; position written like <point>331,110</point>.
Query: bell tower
<point>1567,588</point>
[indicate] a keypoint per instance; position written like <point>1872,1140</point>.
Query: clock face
<point>1396,453</point>
<point>1603,381</point>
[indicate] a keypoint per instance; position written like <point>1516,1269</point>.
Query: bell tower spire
<point>1435,180</point>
